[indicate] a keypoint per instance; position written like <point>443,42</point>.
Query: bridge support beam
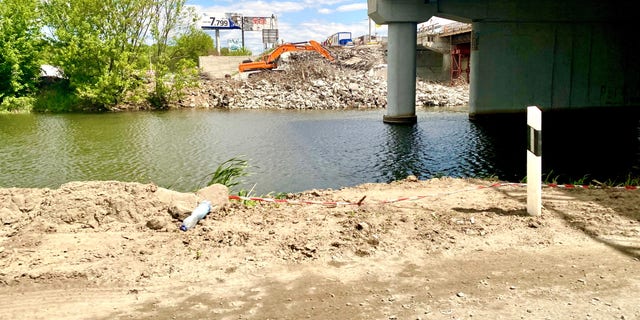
<point>558,66</point>
<point>402,18</point>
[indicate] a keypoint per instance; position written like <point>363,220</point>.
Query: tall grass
<point>229,173</point>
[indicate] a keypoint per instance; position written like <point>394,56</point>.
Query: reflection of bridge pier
<point>559,55</point>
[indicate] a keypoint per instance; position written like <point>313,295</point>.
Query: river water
<point>292,151</point>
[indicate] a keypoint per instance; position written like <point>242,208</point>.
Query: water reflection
<point>599,145</point>
<point>402,154</point>
<point>296,151</point>
<point>501,148</point>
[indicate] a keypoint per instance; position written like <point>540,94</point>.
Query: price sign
<point>221,23</point>
<point>218,23</point>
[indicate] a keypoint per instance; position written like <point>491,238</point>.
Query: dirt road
<point>111,250</point>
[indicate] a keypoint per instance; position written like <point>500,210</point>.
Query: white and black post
<point>534,161</point>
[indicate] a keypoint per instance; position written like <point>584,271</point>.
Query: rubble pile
<point>430,94</point>
<point>306,80</point>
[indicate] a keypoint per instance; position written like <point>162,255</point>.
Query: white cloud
<point>318,27</point>
<point>320,30</point>
<point>323,2</point>
<point>352,7</point>
<point>254,8</point>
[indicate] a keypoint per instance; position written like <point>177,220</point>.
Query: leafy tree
<point>172,73</point>
<point>96,43</point>
<point>20,43</point>
<point>191,45</point>
<point>104,48</point>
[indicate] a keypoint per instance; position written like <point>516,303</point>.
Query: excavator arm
<point>270,61</point>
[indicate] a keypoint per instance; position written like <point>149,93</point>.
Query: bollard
<point>534,161</point>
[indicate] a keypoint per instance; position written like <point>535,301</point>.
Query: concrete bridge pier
<point>402,18</point>
<point>401,73</point>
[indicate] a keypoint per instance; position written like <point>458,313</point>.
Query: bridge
<point>443,51</point>
<point>559,55</point>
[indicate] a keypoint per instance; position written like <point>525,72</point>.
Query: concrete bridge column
<point>401,73</point>
<point>402,17</point>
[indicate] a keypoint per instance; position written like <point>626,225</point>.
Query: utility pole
<point>242,28</point>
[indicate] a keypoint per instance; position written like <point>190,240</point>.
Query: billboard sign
<point>208,22</point>
<point>234,44</point>
<point>258,23</point>
<point>269,35</point>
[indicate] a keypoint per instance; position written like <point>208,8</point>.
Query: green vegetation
<point>229,172</point>
<point>20,47</point>
<point>16,104</point>
<point>248,203</point>
<point>629,181</point>
<point>109,52</point>
<point>191,45</point>
<point>550,178</point>
<point>242,52</point>
<point>57,97</point>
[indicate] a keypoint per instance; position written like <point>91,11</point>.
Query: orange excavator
<point>270,61</point>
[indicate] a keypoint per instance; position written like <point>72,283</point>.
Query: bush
<point>241,52</point>
<point>169,87</point>
<point>17,104</point>
<point>191,46</point>
<point>56,96</point>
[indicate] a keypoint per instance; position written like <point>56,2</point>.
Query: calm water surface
<point>290,151</point>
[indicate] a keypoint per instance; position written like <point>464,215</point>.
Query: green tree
<point>191,45</point>
<point>20,43</point>
<point>96,43</point>
<point>107,48</point>
<point>172,73</point>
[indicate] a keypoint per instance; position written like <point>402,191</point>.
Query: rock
<point>218,194</point>
<point>357,79</point>
<point>179,204</point>
<point>318,83</point>
<point>8,217</point>
<point>180,210</point>
<point>156,224</point>
<point>362,226</point>
<point>412,178</point>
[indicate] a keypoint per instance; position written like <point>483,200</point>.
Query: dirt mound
<point>462,249</point>
<point>98,205</point>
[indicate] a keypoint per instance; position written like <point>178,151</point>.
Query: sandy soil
<point>464,250</point>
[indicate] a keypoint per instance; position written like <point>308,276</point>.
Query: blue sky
<point>297,20</point>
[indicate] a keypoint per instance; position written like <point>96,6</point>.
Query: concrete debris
<point>306,80</point>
